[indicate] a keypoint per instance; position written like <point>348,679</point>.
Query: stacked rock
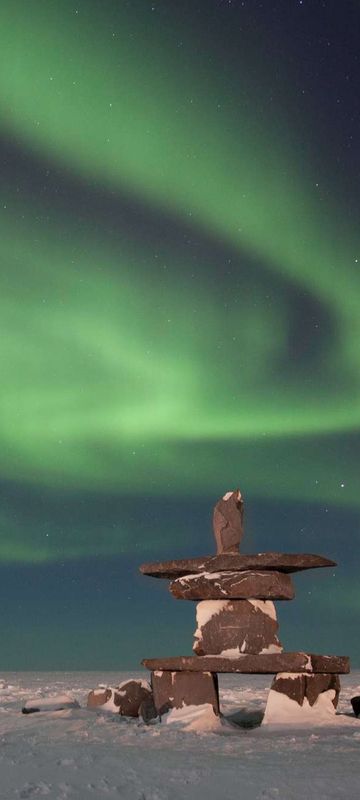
<point>131,698</point>
<point>237,628</point>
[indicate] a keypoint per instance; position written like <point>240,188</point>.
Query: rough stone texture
<point>147,710</point>
<point>127,697</point>
<point>266,585</point>
<point>234,562</point>
<point>132,693</point>
<point>268,664</point>
<point>176,689</point>
<point>355,702</point>
<point>291,684</point>
<point>241,626</point>
<point>228,522</point>
<point>316,684</point>
<point>299,686</point>
<point>98,697</point>
<point>326,664</point>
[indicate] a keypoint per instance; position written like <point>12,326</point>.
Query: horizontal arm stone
<point>232,562</point>
<point>268,664</point>
<point>266,585</point>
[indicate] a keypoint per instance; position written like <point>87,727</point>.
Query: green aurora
<point>123,369</point>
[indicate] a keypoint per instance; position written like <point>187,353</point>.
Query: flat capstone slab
<point>234,562</point>
<point>266,664</point>
<point>266,585</point>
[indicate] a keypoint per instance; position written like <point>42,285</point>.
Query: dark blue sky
<point>179,273</point>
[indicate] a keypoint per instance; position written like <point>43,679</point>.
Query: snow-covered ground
<point>79,754</point>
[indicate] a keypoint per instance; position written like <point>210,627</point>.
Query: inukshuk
<point>237,629</point>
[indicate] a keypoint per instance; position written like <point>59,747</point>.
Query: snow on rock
<point>265,606</point>
<point>280,709</point>
<point>194,576</point>
<point>124,699</point>
<point>227,495</point>
<point>178,688</point>
<point>109,703</point>
<point>248,626</point>
<point>230,652</point>
<point>273,648</point>
<point>207,609</point>
<point>309,664</point>
<point>58,703</point>
<point>249,584</point>
<point>289,675</point>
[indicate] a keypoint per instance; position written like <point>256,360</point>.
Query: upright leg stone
<point>319,683</point>
<point>302,697</point>
<point>178,689</point>
<point>232,627</point>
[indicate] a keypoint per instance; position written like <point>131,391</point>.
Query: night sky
<point>179,305</point>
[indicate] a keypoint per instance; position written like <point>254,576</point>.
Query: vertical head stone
<point>228,522</point>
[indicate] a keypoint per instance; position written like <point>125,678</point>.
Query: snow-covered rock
<point>301,686</point>
<point>124,699</point>
<point>239,626</point>
<point>262,585</point>
<point>179,689</point>
<point>58,703</point>
<point>280,709</point>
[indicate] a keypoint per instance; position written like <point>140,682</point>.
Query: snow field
<point>78,754</point>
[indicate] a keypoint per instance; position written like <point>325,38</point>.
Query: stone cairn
<point>237,629</point>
